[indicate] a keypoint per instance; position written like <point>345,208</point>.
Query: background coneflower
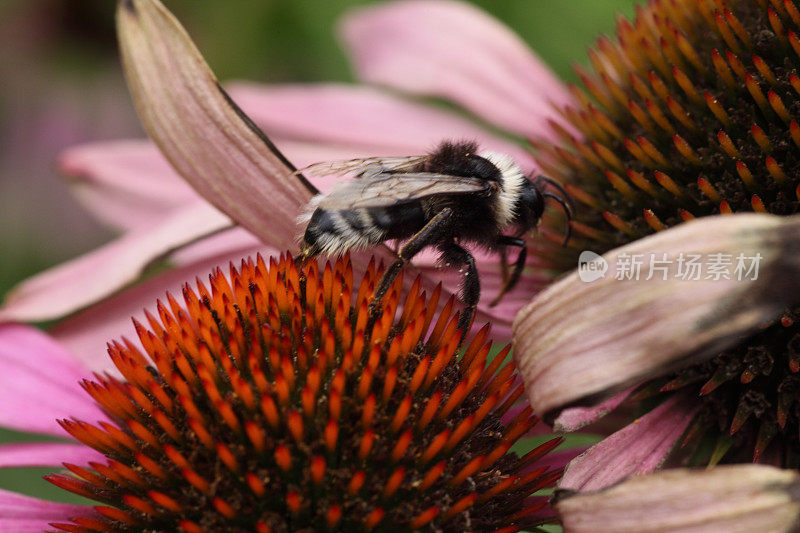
<point>692,111</point>
<point>260,405</point>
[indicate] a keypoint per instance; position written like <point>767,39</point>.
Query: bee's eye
<point>530,205</point>
<point>539,205</point>
<point>535,200</point>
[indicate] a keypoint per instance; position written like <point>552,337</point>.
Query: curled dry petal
<point>579,342</point>
<point>204,135</point>
<point>736,498</point>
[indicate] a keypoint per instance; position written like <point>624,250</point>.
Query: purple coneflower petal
<point>580,342</point>
<point>490,71</point>
<point>225,244</point>
<point>39,382</point>
<point>559,459</point>
<point>735,498</point>
<point>23,514</point>
<point>125,184</point>
<point>54,293</point>
<point>208,140</point>
<point>638,448</point>
<point>85,334</point>
<point>371,121</point>
<point>46,454</point>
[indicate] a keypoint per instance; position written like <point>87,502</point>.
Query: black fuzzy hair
<point>459,158</point>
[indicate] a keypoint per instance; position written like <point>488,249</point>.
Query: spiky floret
<point>262,404</point>
<point>693,111</point>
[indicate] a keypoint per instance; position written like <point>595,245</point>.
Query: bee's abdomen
<point>334,232</point>
<point>399,221</point>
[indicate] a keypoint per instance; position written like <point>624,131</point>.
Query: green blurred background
<point>61,85</point>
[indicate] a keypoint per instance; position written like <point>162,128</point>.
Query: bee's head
<point>530,204</point>
<point>529,207</point>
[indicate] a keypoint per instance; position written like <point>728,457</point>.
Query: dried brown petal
<point>579,342</point>
<point>738,498</point>
<point>205,136</point>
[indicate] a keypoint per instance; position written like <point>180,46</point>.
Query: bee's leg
<point>519,264</point>
<point>455,255</point>
<point>306,252</point>
<point>430,233</point>
<point>503,263</point>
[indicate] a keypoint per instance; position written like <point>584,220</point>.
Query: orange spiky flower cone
<point>258,404</point>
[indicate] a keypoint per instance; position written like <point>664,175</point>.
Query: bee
<point>454,195</point>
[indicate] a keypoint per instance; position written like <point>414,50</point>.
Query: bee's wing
<point>361,168</point>
<point>397,188</point>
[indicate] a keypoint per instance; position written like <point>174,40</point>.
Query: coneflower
<point>692,111</point>
<point>258,404</point>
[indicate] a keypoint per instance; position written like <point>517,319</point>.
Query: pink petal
<point>86,334</point>
<point>39,382</point>
<point>580,342</point>
<point>304,153</point>
<point>46,454</point>
<point>371,121</point>
<point>638,448</point>
<point>730,498</point>
<point>228,245</point>
<point>558,459</point>
<point>574,418</point>
<point>126,184</point>
<point>540,428</point>
<point>96,275</point>
<point>24,514</point>
<point>454,50</point>
<point>208,140</point>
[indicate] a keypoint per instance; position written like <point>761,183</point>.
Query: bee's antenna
<point>567,211</point>
<point>560,188</point>
<point>565,201</point>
